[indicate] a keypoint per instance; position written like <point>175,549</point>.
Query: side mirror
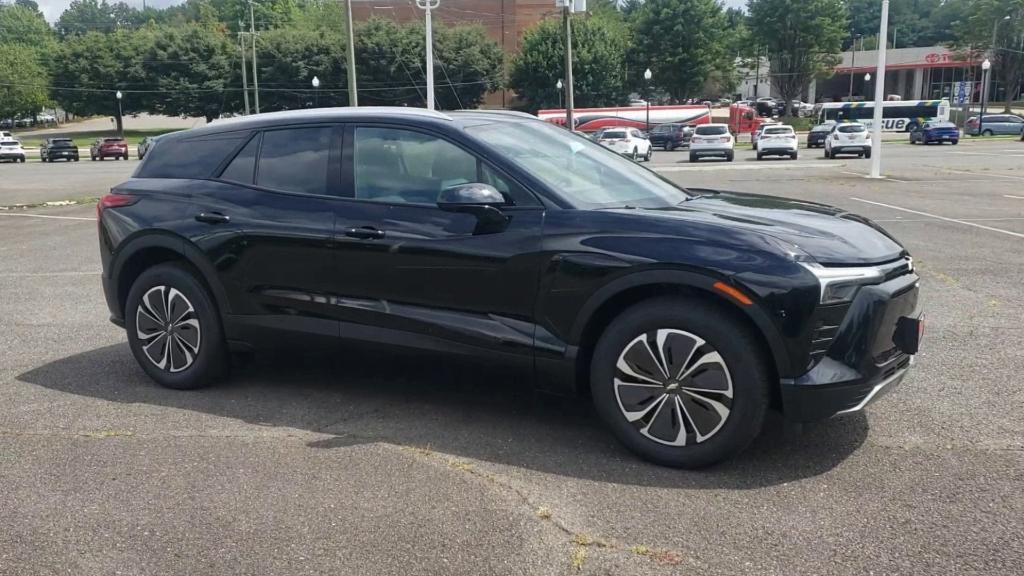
<point>480,200</point>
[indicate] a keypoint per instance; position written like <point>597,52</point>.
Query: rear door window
<point>296,159</point>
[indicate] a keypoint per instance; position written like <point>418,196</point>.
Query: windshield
<point>713,130</point>
<point>822,128</point>
<point>586,174</point>
<point>851,128</point>
<point>613,134</point>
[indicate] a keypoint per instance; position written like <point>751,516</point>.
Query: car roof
<point>367,113</point>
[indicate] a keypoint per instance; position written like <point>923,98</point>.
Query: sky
<point>52,8</point>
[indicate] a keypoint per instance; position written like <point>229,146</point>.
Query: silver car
<point>995,124</point>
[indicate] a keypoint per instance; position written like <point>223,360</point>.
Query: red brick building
<point>504,20</point>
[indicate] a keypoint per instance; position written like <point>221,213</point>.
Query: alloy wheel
<point>673,387</point>
<point>167,327</point>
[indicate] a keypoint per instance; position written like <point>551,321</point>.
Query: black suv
<point>671,136</point>
<point>56,148</point>
<point>685,314</point>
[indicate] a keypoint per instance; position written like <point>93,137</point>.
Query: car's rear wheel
<point>793,156</point>
<point>173,328</point>
<point>867,154</point>
<point>650,153</point>
<point>680,383</point>
<point>635,154</point>
<point>955,142</point>
<point>760,156</point>
<point>987,133</point>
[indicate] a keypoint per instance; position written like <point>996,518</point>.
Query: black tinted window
<point>243,168</point>
<point>189,157</point>
<point>851,128</point>
<point>295,160</point>
<point>711,130</point>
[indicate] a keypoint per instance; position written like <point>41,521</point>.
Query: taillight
<point>114,200</point>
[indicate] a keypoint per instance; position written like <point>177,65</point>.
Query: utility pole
<point>353,93</point>
<point>255,78</point>
<point>757,71</point>
<point>876,128</point>
<point>428,5</point>
<point>567,19</point>
<point>245,74</point>
<point>853,64</point>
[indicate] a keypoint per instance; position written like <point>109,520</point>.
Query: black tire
<point>760,156</point>
<point>635,155</point>
<point>125,157</point>
<point>745,364</point>
<point>955,142</point>
<point>867,154</point>
<point>650,153</point>
<point>793,156</point>
<point>729,156</point>
<point>76,159</point>
<point>693,157</point>
<point>670,146</point>
<point>209,359</point>
<point>988,133</point>
<point>22,160</point>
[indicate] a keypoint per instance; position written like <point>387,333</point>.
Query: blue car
<point>935,132</point>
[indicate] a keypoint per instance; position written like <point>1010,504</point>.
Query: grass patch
<point>578,557</point>
<point>83,139</point>
<point>544,513</point>
<point>640,550</point>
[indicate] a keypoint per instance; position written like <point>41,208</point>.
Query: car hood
<point>827,234</point>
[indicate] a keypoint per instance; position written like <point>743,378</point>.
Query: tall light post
<point>988,76</point>
<point>316,92</point>
<point>867,78</point>
<point>255,74</point>
<point>427,6</point>
<point>353,92</point>
<point>647,99</point>
<point>986,68</point>
<point>120,116</point>
<point>558,86</point>
<point>853,64</point>
<point>876,127</point>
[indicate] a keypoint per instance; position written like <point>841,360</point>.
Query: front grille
<point>826,325</point>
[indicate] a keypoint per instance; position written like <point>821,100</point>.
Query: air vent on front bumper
<point>826,324</point>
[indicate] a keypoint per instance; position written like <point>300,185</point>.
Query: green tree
<point>24,25</point>
<point>802,39</point>
<point>22,81</point>
<point>83,16</point>
<point>471,65</point>
<point>187,70</point>
<point>684,44</point>
<point>90,68</point>
<point>291,58</point>
<point>599,46</point>
<point>1003,21</point>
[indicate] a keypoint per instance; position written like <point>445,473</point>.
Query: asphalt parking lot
<point>360,463</point>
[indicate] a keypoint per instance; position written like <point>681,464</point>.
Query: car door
<point>410,273</point>
<point>269,217</point>
<point>1012,125</point>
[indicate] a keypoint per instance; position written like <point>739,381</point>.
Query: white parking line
<point>732,166</point>
<point>1014,153</point>
<point>1012,196</point>
<point>862,175</point>
<point>48,216</point>
<point>45,274</point>
<point>964,222</point>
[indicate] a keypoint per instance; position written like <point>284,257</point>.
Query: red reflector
<point>114,201</point>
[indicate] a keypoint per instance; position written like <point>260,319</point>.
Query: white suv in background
<point>627,141</point>
<point>711,140</point>
<point>777,140</point>
<point>848,138</point>
<point>10,149</point>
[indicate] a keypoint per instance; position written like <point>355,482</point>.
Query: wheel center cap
<point>672,386</point>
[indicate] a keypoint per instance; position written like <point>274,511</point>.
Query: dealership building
<point>923,73</point>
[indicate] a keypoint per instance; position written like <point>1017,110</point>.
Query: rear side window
<point>189,157</point>
<point>295,159</point>
<point>243,168</point>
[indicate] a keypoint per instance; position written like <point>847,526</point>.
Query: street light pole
<point>255,79</point>
<point>558,86</point>
<point>316,92</point>
<point>120,116</point>
<point>853,65</point>
<point>867,78</point>
<point>647,99</point>
<point>986,73</point>
<point>427,6</point>
<point>876,127</point>
<point>353,93</point>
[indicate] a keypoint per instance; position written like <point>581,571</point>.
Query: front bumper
<point>868,357</point>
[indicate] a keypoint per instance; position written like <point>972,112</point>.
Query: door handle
<point>365,233</point>
<point>212,218</point>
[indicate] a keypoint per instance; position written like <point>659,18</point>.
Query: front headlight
<point>841,284</point>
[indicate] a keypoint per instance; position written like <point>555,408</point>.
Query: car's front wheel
<point>680,383</point>
<point>173,328</point>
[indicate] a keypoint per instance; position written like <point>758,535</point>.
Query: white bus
<point>897,116</point>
